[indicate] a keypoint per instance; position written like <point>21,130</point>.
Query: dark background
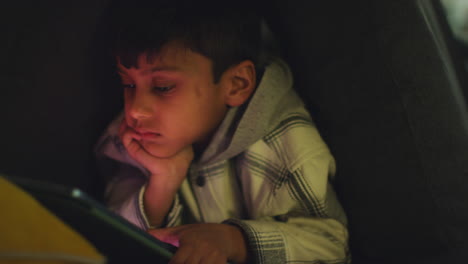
<point>59,90</point>
<point>370,72</point>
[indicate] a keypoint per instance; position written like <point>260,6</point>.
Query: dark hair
<point>225,32</point>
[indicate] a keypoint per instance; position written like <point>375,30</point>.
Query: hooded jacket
<point>266,170</point>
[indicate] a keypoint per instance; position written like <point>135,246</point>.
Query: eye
<point>163,89</point>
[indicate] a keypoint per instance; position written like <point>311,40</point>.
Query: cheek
<point>127,97</point>
<point>127,110</point>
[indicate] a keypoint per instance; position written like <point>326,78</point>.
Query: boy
<point>216,153</point>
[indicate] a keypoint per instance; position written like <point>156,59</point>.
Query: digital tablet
<point>113,236</point>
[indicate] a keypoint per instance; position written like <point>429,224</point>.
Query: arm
<point>125,192</point>
<point>285,229</point>
<point>134,185</point>
<point>166,174</point>
<point>297,239</point>
<point>125,196</point>
<point>302,219</point>
<point>299,218</point>
<point>293,213</point>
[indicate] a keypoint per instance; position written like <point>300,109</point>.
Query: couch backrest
<point>386,88</point>
<point>57,94</point>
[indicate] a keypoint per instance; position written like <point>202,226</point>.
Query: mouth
<point>148,135</point>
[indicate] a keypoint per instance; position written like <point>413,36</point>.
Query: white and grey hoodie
<point>266,170</point>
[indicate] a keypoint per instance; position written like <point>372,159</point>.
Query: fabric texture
<point>32,234</point>
<point>266,170</point>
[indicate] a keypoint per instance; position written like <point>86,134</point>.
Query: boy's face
<point>172,101</point>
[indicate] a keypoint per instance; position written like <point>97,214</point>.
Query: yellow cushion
<point>28,232</point>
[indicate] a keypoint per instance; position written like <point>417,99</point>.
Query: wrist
<point>163,185</point>
<point>157,202</point>
<point>239,251</point>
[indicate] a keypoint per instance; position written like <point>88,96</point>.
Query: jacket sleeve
<point>124,196</point>
<point>294,215</point>
<point>126,183</point>
<point>126,180</point>
<point>296,240</point>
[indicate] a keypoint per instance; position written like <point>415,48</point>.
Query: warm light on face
<point>172,101</point>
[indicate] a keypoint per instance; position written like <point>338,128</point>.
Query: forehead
<point>171,57</point>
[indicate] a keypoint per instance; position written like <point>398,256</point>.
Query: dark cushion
<point>58,93</point>
<point>378,88</point>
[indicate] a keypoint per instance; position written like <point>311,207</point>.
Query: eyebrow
<point>166,68</point>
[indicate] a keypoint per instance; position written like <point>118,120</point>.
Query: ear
<point>241,82</point>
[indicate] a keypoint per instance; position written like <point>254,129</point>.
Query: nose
<point>139,105</point>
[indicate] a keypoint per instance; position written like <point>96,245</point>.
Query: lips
<point>147,135</point>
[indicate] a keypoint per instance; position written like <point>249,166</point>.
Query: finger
<point>130,139</point>
<point>136,151</point>
<point>185,254</point>
<point>168,235</point>
<point>171,235</point>
<point>168,231</point>
<point>213,257</point>
<point>124,128</point>
<point>127,135</point>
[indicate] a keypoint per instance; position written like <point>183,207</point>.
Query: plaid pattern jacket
<point>276,189</point>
